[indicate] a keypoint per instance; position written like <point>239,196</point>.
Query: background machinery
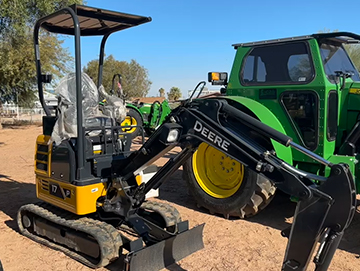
<point>91,187</point>
<point>133,122</point>
<point>305,87</point>
<point>140,116</point>
<point>148,115</point>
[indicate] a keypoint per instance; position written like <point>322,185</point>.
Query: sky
<point>186,39</point>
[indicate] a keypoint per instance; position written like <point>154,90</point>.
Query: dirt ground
<point>253,244</point>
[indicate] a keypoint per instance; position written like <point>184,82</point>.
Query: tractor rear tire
<point>133,118</point>
<point>224,186</point>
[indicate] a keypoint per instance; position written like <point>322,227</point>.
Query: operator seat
<point>66,123</point>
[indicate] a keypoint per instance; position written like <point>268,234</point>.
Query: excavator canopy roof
<point>92,21</point>
<point>341,37</point>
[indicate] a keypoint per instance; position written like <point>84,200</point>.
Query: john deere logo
<point>205,132</point>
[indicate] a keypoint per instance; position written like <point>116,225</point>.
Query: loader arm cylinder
<point>310,154</point>
<point>305,174</point>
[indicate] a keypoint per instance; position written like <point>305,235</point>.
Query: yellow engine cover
<point>80,200</point>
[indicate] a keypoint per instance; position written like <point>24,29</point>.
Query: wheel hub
<point>217,174</point>
<point>128,121</point>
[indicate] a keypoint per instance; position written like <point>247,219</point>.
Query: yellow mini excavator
<point>94,205</point>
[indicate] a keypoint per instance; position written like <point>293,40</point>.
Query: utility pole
<point>17,106</point>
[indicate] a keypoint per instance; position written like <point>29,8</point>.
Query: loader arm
<point>325,206</point>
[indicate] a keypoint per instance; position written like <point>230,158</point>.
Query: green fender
<point>137,110</point>
<point>267,117</point>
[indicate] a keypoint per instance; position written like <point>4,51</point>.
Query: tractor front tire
<point>224,186</point>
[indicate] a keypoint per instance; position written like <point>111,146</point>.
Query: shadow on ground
<point>13,195</point>
<point>275,215</point>
<point>22,125</point>
<point>119,265</point>
<point>175,190</point>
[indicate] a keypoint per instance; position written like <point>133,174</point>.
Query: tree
<point>17,69</point>
<point>18,72</point>
<point>134,77</point>
<point>174,94</point>
<point>162,92</point>
<point>354,52</point>
<point>17,15</point>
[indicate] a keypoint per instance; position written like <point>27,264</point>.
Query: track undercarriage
<point>96,243</point>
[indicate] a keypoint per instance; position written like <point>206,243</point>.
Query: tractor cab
<point>308,83</point>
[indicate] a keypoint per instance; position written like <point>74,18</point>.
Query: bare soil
<point>253,244</point>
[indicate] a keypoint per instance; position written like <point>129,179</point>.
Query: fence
<point>11,113</point>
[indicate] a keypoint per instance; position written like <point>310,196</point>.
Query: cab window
<point>278,64</point>
<point>302,108</point>
<point>335,58</point>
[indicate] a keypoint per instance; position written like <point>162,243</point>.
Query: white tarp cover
<point>115,106</point>
<point>66,124</point>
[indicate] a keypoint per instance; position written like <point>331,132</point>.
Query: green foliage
<point>17,69</point>
<point>162,92</point>
<point>174,94</point>
<point>17,15</point>
<point>326,30</point>
<point>354,52</point>
<point>134,77</point>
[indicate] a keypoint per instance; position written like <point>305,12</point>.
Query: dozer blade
<point>167,252</point>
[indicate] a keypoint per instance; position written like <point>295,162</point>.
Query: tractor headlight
<point>173,135</point>
<point>169,133</point>
<point>218,78</point>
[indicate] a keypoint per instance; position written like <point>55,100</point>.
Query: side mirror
<point>343,75</point>
<point>218,78</point>
<point>46,78</point>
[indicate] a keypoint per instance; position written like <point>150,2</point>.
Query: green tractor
<point>139,116</point>
<point>305,87</point>
<point>147,115</point>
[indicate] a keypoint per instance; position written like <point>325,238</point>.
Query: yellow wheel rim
<point>128,121</point>
<point>217,174</point>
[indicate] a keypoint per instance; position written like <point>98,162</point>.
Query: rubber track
<point>108,238</point>
<point>169,213</point>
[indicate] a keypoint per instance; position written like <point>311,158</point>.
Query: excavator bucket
<point>167,252</point>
